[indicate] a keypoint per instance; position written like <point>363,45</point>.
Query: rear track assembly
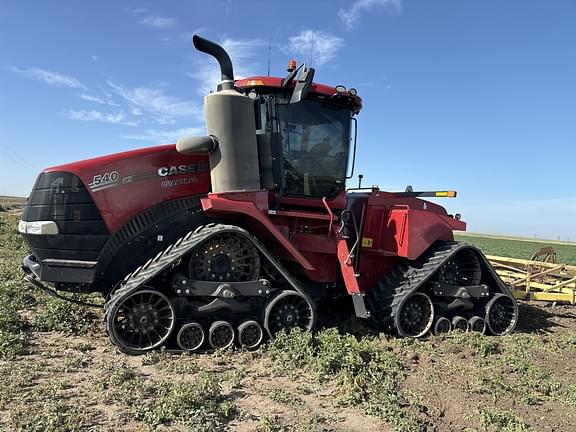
<point>450,279</point>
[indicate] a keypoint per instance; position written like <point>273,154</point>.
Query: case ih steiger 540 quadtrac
<point>249,230</point>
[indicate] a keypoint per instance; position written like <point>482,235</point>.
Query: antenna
<point>312,50</point>
<point>269,50</point>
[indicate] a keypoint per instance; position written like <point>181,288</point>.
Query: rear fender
<point>407,232</point>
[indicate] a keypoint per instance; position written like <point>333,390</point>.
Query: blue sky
<point>477,96</point>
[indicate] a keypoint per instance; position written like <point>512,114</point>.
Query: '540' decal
<point>103,181</point>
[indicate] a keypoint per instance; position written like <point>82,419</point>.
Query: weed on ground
<point>59,372</point>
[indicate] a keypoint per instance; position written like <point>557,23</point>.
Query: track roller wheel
<point>477,324</point>
<point>501,314</point>
<point>250,334</point>
<point>415,315</point>
<point>140,322</point>
<point>288,310</point>
<point>191,336</point>
<point>463,269</point>
<point>221,334</point>
<point>460,323</point>
<point>442,325</point>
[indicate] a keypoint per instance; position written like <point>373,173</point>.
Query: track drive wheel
<point>288,310</point>
<point>225,257</point>
<point>463,269</point>
<point>501,314</point>
<point>141,321</point>
<point>415,315</point>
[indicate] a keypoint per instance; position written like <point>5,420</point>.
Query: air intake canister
<point>234,164</point>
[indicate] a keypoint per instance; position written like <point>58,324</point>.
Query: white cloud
<point>241,51</point>
<point>83,115</point>
<point>317,46</point>
<point>351,16</point>
<point>100,100</point>
<point>49,77</point>
<point>154,102</point>
<point>158,22</point>
<point>90,98</point>
<point>94,57</point>
<point>157,136</point>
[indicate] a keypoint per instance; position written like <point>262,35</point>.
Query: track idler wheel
<point>221,335</point>
<point>288,310</point>
<point>250,334</point>
<point>477,324</point>
<point>442,325</point>
<point>460,323</point>
<point>415,315</point>
<point>140,322</point>
<point>501,314</point>
<point>191,337</point>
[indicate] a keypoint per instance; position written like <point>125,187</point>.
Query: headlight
<point>22,227</point>
<point>38,227</point>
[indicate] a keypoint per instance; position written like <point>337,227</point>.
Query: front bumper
<point>57,270</point>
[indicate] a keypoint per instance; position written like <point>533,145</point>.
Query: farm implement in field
<point>539,278</point>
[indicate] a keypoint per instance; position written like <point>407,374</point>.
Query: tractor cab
<point>308,129</point>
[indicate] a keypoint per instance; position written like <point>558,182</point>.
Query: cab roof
<point>318,91</point>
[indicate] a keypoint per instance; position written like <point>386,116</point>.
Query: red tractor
<point>249,230</point>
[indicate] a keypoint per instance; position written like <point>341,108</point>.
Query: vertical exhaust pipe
<point>230,121</point>
<point>221,56</point>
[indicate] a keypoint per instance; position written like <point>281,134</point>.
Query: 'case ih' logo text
<point>183,169</point>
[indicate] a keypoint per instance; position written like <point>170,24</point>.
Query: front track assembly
<point>213,288</point>
<point>452,286</point>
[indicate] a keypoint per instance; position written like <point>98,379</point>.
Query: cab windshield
<point>315,140</point>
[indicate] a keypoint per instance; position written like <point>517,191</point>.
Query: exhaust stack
<point>221,56</point>
<point>231,126</point>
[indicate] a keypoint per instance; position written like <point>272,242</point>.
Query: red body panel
<point>393,228</point>
<point>125,184</point>
<point>142,179</point>
<point>405,227</point>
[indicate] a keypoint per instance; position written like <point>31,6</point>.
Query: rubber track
<point>387,296</point>
<point>161,262</point>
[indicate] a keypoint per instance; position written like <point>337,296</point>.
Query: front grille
<point>61,197</point>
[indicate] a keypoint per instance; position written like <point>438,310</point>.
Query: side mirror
<point>303,84</point>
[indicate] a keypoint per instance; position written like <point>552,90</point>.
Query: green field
<point>519,248</point>
<point>10,203</point>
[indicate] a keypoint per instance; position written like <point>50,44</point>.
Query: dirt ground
<point>524,381</point>
<point>58,372</point>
